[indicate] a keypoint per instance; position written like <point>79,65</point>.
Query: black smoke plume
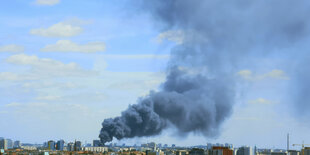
<point>188,102</point>
<point>199,91</point>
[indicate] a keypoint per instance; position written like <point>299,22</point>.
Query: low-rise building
<point>96,149</point>
<point>293,152</point>
<point>219,150</point>
<point>29,148</point>
<point>181,152</point>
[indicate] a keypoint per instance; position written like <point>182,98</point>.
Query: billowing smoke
<point>188,102</point>
<point>199,91</point>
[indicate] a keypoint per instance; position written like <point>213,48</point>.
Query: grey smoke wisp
<point>199,91</point>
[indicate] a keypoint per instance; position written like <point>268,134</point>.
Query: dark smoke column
<point>221,37</point>
<point>191,103</point>
<point>198,93</point>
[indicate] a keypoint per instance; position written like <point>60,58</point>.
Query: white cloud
<point>69,46</point>
<point>261,101</point>
<point>11,48</point>
<point>50,112</point>
<point>143,56</point>
<point>84,97</point>
<point>277,74</point>
<point>62,29</point>
<point>274,74</point>
<point>47,2</point>
<point>46,107</point>
<point>11,76</point>
<point>13,104</point>
<point>119,88</point>
<point>246,74</point>
<point>49,84</point>
<point>176,36</point>
<point>43,68</point>
<point>48,98</point>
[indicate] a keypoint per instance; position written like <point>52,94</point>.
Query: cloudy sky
<point>66,65</point>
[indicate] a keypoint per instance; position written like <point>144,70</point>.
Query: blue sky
<point>67,65</point>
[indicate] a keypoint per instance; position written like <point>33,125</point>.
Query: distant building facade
<point>196,151</point>
<point>181,152</point>
<point>245,150</point>
<point>10,143</point>
<point>77,145</point>
<point>17,144</point>
<point>60,145</point>
<point>3,144</point>
<point>29,148</point>
<point>219,150</point>
<point>152,145</point>
<point>70,147</point>
<point>96,143</point>
<point>306,151</point>
<point>51,145</point>
<point>293,152</point>
<point>96,149</point>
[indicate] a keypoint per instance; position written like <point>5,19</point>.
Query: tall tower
<point>288,141</point>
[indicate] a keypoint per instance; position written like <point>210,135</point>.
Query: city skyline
<point>76,147</point>
<point>68,65</point>
<point>60,144</point>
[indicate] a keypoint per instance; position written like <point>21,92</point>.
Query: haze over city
<point>184,72</point>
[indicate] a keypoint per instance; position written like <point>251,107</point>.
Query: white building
<point>30,148</point>
<point>95,149</point>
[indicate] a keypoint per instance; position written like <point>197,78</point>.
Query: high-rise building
<point>152,145</point>
<point>159,145</point>
<point>45,144</point>
<point>70,147</point>
<point>77,145</point>
<point>16,144</point>
<point>60,145</point>
<point>245,150</point>
<point>3,144</point>
<point>10,143</point>
<point>51,145</point>
<point>209,146</point>
<point>96,143</point>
